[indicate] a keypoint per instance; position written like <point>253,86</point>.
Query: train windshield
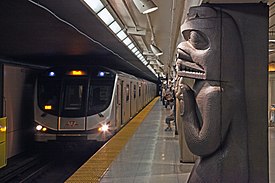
<point>48,94</point>
<point>75,96</point>
<point>100,95</point>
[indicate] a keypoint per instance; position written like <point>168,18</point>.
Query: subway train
<point>86,103</point>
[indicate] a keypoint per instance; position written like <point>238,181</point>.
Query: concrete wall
<point>18,107</point>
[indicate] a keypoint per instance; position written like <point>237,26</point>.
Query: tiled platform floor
<point>152,154</point>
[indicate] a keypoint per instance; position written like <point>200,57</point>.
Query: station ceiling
<point>44,33</point>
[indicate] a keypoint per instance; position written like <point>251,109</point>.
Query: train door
<point>126,102</point>
<point>74,100</point>
<point>118,103</point>
<point>134,101</point>
<point>131,99</point>
<point>136,97</point>
<point>140,96</point>
<point>123,102</point>
<point>144,94</point>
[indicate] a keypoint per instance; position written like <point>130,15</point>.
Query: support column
<point>1,90</point>
<point>224,114</point>
<point>3,122</point>
<point>252,20</point>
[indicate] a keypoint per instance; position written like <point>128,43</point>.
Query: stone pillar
<point>224,115</point>
<point>2,90</point>
<point>252,20</point>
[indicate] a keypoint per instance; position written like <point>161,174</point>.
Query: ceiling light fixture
<point>107,15</point>
<point>134,31</point>
<point>96,5</point>
<point>156,50</point>
<point>148,53</point>
<point>145,6</point>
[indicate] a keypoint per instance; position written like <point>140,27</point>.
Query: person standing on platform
<point>170,118</point>
<point>163,94</point>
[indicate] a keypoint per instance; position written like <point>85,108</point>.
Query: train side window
<point>139,90</point>
<point>48,94</point>
<point>127,93</point>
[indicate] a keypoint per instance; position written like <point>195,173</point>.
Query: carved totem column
<point>215,111</point>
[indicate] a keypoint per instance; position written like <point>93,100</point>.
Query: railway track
<point>53,166</point>
<point>21,166</point>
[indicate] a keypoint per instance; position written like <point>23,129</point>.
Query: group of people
<point>168,100</point>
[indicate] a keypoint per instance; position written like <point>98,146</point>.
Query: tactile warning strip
<point>93,170</point>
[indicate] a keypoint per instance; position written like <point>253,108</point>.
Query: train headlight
<point>38,127</point>
<point>104,128</point>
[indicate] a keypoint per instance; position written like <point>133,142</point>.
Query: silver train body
<point>86,103</point>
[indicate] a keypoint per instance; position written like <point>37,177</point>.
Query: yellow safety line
<point>94,169</point>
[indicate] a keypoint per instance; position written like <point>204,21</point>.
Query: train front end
<point>74,104</point>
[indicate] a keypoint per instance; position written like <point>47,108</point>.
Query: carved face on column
<point>211,48</point>
<point>198,54</point>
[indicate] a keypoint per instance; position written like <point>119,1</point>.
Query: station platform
<point>143,152</point>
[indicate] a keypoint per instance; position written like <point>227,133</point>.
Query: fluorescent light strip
<point>130,46</point>
<point>137,53</point>
<point>96,5</point>
<point>115,27</point>
<point>121,35</point>
<point>134,50</point>
<point>106,16</point>
<point>127,41</point>
<point>145,62</point>
<point>103,13</point>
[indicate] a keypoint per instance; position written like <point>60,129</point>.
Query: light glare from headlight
<point>38,127</point>
<point>104,128</point>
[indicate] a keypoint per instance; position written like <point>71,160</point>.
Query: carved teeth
<point>190,67</point>
<point>193,72</point>
<point>190,70</point>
